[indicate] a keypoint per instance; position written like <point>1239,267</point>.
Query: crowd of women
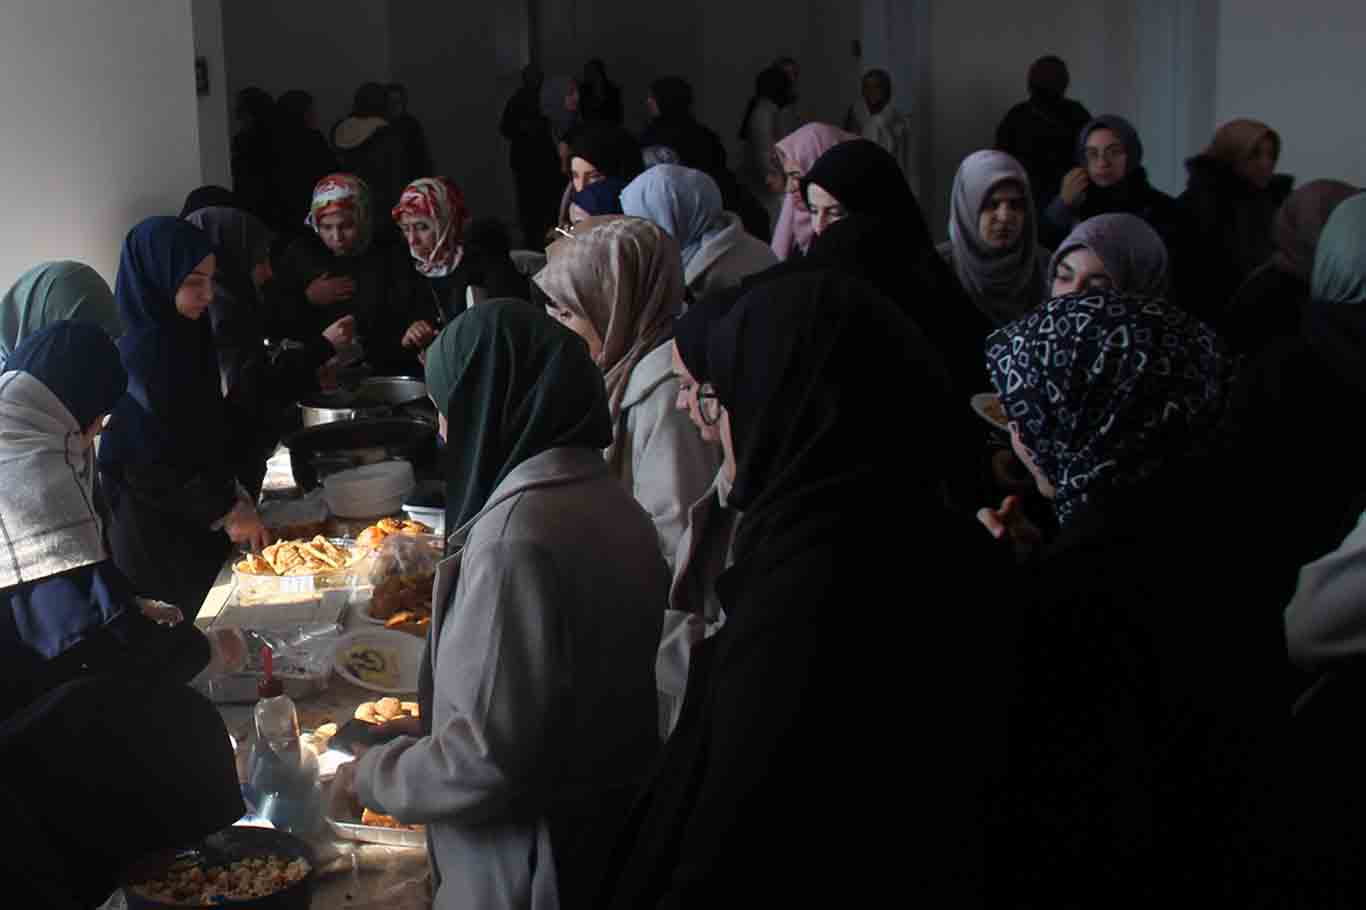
<point>741,602</point>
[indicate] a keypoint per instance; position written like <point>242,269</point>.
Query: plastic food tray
<point>259,589</point>
<point>340,820</point>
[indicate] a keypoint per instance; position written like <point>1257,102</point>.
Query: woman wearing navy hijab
<point>171,460</point>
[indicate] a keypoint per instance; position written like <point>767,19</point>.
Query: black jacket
<point>1232,218</point>
<point>1267,308</point>
<point>844,690</point>
<point>1042,134</point>
<point>1149,708</point>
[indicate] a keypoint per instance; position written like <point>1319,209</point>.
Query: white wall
<point>1300,68</point>
<point>460,63</point>
<point>979,57</point>
<point>215,124</point>
<point>325,47</point>
<point>100,126</point>
<point>719,46</point>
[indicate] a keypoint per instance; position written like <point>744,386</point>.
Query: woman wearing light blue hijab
<point>51,292</point>
<point>716,251</point>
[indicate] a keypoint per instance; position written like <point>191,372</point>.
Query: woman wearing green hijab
<point>51,292</point>
<point>540,717</point>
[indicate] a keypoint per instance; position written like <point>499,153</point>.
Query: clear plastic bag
<point>402,575</point>
<point>302,658</point>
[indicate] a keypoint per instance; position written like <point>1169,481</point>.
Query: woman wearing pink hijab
<point>796,153</point>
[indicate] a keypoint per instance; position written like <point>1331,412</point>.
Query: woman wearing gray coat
<point>541,712</point>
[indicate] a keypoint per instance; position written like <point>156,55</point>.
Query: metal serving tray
<point>340,820</point>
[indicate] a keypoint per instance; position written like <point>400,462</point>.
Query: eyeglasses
<point>708,405</point>
<point>1111,154</point>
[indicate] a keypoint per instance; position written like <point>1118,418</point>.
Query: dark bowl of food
<point>240,867</point>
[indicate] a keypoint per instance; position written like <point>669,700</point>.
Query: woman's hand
<point>345,778</point>
<point>326,290</point>
<point>244,525</point>
<point>419,335</point>
<point>1074,184</point>
<point>1009,523</point>
<point>341,332</point>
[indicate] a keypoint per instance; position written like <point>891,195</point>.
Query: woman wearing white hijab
<point>715,249</point>
<point>993,246</point>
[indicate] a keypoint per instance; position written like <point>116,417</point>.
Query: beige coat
<point>726,259</point>
<point>662,459</point>
<point>544,710</point>
<point>694,609</point>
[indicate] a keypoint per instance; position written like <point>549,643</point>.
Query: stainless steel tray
<point>341,822</point>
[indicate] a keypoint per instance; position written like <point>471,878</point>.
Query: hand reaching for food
<point>419,335</point>
<point>244,525</point>
<point>1010,524</point>
<point>341,332</point>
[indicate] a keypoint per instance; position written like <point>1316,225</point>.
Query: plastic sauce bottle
<point>282,775</point>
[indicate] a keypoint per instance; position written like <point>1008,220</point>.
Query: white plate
<point>399,650</point>
<point>982,401</point>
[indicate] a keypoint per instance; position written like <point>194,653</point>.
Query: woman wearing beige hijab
<point>1232,194</point>
<point>618,284</point>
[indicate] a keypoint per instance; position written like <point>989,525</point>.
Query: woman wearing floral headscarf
<point>1139,731</point>
<point>433,218</point>
<point>618,283</point>
<point>337,271</point>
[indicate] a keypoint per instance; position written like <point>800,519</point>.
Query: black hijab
<point>511,383</point>
<point>609,148</point>
<point>799,364</point>
<point>694,328</point>
<point>207,196</point>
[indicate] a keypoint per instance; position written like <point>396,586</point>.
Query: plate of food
<point>297,568</point>
<point>350,820</point>
<point>380,660</point>
<point>988,407</point>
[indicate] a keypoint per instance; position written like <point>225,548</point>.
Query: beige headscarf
<point>625,276</point>
<point>1235,141</point>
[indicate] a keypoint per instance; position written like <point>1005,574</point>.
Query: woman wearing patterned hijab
<point>618,283</point>
<point>1138,731</point>
<point>337,271</point>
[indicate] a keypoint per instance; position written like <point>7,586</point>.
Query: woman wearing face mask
<point>1119,253</point>
<point>597,152</point>
<point>619,284</point>
<point>1111,178</point>
<point>992,246</point>
<point>1232,195</point>
<point>172,462</point>
<point>336,271</point>
<point>542,712</point>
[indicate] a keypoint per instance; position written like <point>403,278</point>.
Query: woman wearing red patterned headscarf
<point>340,270</point>
<point>432,216</point>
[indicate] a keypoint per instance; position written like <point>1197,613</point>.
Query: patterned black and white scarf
<point>1104,389</point>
